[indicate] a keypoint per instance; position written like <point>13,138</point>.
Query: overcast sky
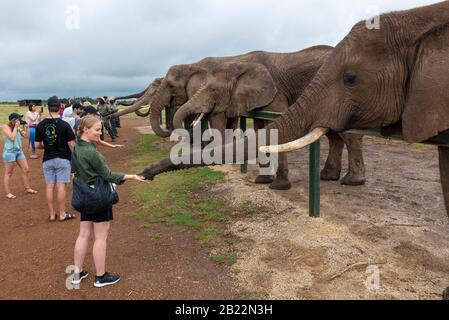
<point>113,47</point>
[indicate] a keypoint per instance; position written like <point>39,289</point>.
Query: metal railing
<point>314,154</point>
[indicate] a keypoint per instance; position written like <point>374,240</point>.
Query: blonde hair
<point>87,122</point>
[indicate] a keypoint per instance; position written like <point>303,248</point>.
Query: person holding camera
<point>32,118</point>
<point>89,165</point>
<point>13,153</point>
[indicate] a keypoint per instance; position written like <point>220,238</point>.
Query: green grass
<point>7,109</point>
<point>229,259</point>
<point>177,198</point>
<point>181,198</point>
<point>155,235</point>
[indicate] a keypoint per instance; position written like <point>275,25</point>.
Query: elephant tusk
<point>198,120</point>
<point>313,136</point>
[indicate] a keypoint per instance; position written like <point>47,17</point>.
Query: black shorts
<point>98,217</point>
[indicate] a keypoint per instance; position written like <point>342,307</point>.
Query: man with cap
<point>13,153</point>
<point>57,139</point>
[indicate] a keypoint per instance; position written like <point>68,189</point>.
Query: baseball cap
<point>14,116</point>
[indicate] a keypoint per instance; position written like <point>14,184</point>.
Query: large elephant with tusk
<point>375,78</point>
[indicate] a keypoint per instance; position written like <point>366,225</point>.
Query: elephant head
<point>143,100</point>
<point>180,83</point>
<point>375,78</point>
<point>233,88</point>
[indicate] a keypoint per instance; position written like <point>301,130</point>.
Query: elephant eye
<point>350,79</point>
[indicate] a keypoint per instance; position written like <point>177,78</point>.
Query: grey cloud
<point>122,46</point>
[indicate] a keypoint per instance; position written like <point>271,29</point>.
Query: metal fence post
<point>314,180</point>
<point>244,166</point>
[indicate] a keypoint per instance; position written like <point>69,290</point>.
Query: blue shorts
<point>13,155</point>
<point>57,171</point>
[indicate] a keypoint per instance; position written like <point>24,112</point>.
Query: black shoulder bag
<point>92,199</point>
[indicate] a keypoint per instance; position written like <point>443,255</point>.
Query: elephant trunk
<point>192,107</point>
<point>296,123</point>
<point>139,104</point>
<point>142,114</point>
<point>132,96</point>
<point>155,113</point>
<point>282,125</point>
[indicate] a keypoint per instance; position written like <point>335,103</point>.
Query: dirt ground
<point>393,229</point>
<point>35,253</point>
<point>396,224</point>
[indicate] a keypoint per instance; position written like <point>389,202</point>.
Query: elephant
<point>143,99</point>
<point>257,82</point>
<point>395,75</point>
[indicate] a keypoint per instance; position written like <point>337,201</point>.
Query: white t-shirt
<point>68,113</point>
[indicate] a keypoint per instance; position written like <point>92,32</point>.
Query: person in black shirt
<point>57,139</point>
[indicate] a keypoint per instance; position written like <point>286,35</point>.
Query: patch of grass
<point>155,235</point>
<point>228,259</point>
<point>247,208</point>
<point>207,237</point>
<point>267,215</point>
<point>7,109</point>
<point>176,198</point>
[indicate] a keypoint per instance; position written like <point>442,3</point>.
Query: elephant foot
<point>352,180</point>
<point>446,294</point>
<point>281,184</point>
<point>330,174</point>
<point>264,179</point>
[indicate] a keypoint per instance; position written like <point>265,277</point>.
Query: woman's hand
<point>140,178</point>
<point>135,177</point>
<point>118,146</point>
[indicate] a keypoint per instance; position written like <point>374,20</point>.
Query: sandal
<point>30,191</point>
<point>68,216</point>
<point>51,220</point>
<point>10,196</point>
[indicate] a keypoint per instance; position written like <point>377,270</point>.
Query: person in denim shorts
<point>57,139</point>
<point>13,153</point>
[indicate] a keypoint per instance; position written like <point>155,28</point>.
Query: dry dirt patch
<point>395,224</point>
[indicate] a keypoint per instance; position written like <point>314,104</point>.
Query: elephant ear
<point>426,112</point>
<point>253,88</point>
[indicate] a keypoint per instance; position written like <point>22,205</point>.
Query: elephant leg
<point>262,179</point>
<point>232,123</point>
<point>444,176</point>
<point>218,122</point>
<point>281,181</point>
<point>356,170</point>
<point>332,168</point>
